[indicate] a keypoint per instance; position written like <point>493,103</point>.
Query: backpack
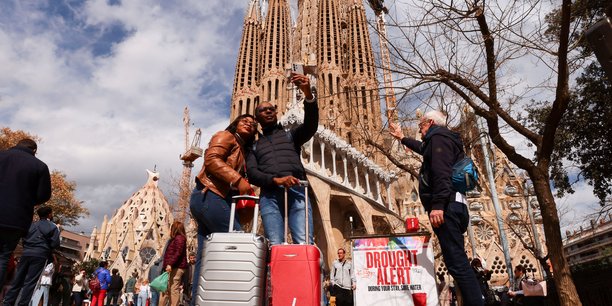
<point>94,283</point>
<point>465,175</point>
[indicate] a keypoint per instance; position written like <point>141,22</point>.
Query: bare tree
<point>459,53</point>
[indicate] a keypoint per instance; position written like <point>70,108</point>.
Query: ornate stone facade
<point>137,233</point>
<point>355,190</point>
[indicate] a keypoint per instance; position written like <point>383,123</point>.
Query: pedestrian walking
<point>175,261</point>
<point>41,240</point>
<point>79,288</point>
<point>130,288</point>
<point>42,290</point>
<point>104,277</point>
<point>114,289</point>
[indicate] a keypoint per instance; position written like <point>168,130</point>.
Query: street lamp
<point>528,191</point>
<point>498,213</point>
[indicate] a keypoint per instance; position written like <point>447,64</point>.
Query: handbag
<point>245,203</point>
<point>160,283</point>
<point>241,204</point>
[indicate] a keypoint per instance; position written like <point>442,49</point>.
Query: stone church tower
<point>330,38</point>
<point>355,190</point>
<point>136,234</point>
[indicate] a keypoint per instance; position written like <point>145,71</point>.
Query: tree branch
<point>562,92</point>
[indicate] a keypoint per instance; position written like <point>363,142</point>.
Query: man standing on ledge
<point>446,207</point>
<point>274,163</point>
<point>24,183</point>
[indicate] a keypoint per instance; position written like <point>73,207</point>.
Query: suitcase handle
<point>305,184</point>
<point>255,212</point>
<point>246,197</point>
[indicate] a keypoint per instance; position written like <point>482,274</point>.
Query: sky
<point>104,84</point>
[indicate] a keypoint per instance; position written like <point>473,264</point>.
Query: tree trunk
<point>568,296</point>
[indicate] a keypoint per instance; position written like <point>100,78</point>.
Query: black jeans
<point>344,297</point>
<point>112,297</point>
<point>450,235</point>
<point>8,242</point>
<point>26,277</point>
<point>78,297</point>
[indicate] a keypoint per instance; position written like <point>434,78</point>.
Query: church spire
<point>245,96</point>
<point>305,33</point>
<point>364,99</point>
<point>276,54</point>
<point>329,58</point>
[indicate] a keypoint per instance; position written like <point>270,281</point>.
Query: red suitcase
<point>295,272</point>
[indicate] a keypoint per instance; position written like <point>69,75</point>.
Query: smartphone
<point>297,68</point>
<point>293,68</point>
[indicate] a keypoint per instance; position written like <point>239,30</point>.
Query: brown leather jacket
<point>223,163</point>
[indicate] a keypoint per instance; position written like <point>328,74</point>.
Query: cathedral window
<point>106,253</point>
<point>269,90</point>
<point>147,254</point>
<point>364,99</point>
<point>276,89</point>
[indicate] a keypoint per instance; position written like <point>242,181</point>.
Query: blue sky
<point>104,83</point>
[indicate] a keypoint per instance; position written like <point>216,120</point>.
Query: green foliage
<point>584,14</point>
<point>89,266</point>
<point>583,137</point>
<point>588,122</point>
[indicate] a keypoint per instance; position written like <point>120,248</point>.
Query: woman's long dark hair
<point>177,228</point>
<point>232,127</point>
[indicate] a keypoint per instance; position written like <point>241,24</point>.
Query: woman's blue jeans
<point>212,213</point>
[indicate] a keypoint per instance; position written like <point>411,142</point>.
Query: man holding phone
<point>274,163</point>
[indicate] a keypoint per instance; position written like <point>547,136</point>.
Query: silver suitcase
<point>233,270</point>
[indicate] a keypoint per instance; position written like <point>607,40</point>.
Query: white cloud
<point>575,209</point>
<point>105,119</point>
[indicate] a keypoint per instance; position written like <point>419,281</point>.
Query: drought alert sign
<point>397,270</point>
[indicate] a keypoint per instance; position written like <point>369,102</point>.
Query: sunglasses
<point>271,108</point>
<point>249,122</point>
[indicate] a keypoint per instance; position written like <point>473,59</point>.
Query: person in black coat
<point>24,183</point>
<point>274,164</point>
<point>114,289</point>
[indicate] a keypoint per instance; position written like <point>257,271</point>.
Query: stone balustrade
<point>334,160</point>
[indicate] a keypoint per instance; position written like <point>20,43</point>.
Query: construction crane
<point>380,10</point>
<point>192,152</point>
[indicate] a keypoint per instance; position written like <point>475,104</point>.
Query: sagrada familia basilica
<point>356,190</point>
